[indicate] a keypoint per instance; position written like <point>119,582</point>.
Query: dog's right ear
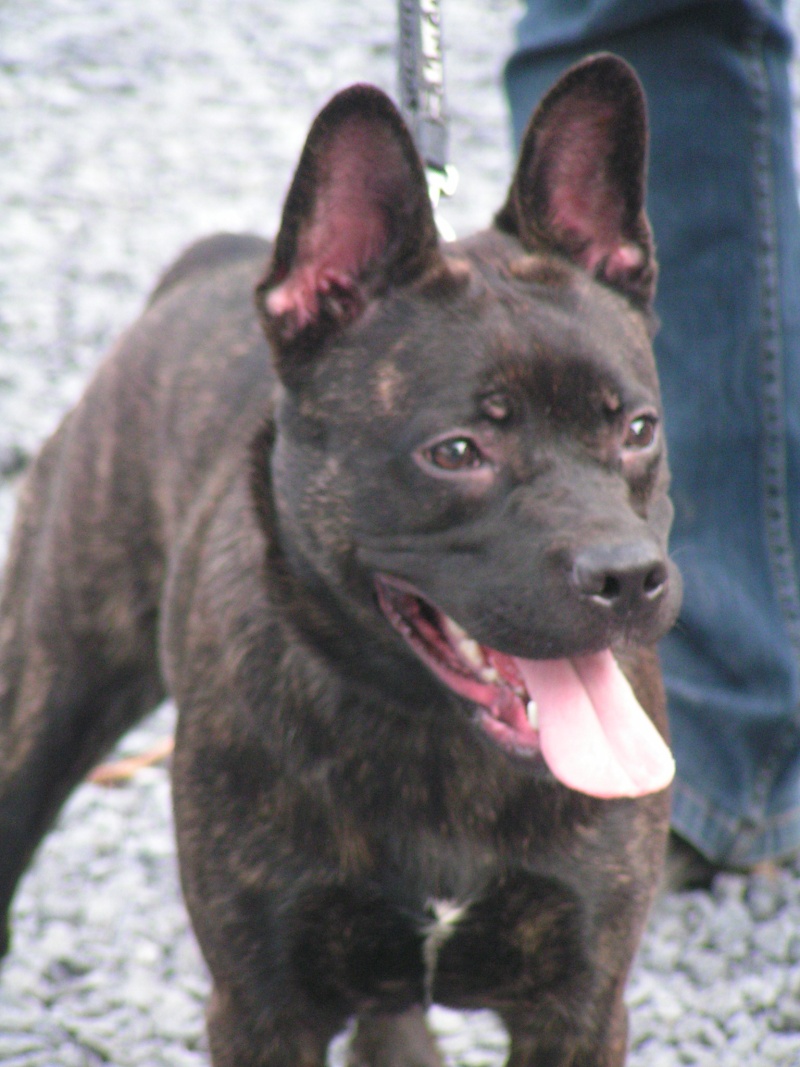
<point>357,220</point>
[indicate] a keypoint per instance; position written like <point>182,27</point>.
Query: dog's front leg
<point>244,1034</point>
<point>550,1038</point>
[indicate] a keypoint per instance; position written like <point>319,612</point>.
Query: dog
<point>395,541</point>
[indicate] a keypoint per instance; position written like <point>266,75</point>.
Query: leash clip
<point>442,183</point>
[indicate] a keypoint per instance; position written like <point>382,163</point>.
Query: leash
<point>421,78</point>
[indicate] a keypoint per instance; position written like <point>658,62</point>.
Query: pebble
<point>129,130</point>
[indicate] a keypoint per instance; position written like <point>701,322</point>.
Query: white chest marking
<point>446,915</point>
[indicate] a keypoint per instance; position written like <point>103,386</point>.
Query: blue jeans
<point>723,202</point>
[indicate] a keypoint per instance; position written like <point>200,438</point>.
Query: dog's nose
<point>620,577</point>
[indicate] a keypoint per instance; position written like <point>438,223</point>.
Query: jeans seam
<point>774,467</point>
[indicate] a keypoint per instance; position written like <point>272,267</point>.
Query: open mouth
<point>579,713</point>
<point>490,679</point>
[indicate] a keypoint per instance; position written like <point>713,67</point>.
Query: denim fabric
<point>723,202</point>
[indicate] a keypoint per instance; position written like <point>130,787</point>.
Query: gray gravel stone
<point>128,130</point>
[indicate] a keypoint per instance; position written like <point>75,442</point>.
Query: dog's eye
<point>641,433</point>
<point>455,454</point>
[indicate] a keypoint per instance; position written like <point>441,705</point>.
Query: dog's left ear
<point>579,188</point>
<point>357,220</point>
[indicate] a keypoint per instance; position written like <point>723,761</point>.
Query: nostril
<point>655,580</point>
<point>611,588</point>
<point>594,580</point>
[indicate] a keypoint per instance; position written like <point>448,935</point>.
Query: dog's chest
<point>520,936</point>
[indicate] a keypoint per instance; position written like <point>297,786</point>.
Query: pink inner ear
<point>585,208</point>
<point>348,228</point>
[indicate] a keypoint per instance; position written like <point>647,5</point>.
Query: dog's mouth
<point>579,713</point>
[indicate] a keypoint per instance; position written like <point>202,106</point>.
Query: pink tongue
<point>595,736</point>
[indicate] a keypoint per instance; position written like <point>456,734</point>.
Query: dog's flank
<point>395,542</point>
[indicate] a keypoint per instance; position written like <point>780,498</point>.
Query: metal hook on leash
<point>442,183</point>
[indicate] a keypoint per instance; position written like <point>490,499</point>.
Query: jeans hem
<point>728,840</point>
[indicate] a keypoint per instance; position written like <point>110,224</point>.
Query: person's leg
<point>723,203</point>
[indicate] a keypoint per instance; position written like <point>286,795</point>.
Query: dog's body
<point>281,537</point>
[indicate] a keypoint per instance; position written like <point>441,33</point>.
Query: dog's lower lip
<point>488,678</point>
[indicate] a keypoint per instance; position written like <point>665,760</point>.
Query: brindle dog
<point>401,563</point>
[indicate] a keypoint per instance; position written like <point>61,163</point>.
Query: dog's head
<point>469,438</point>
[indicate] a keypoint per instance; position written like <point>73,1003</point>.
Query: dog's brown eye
<point>455,454</point>
<point>641,432</point>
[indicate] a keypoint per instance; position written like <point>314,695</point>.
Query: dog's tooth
<point>455,632</point>
<point>532,712</point>
<point>490,675</point>
<point>471,651</point>
<point>466,646</point>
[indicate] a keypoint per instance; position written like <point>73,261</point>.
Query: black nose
<point>620,577</point>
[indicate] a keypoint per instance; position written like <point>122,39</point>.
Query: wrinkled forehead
<point>566,335</point>
<point>530,324</point>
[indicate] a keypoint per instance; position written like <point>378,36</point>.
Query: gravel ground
<point>127,131</point>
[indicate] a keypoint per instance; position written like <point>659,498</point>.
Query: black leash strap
<point>422,78</point>
<point>422,91</point>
